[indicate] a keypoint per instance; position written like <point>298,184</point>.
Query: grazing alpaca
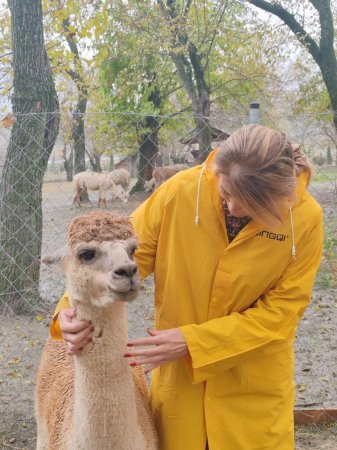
<point>122,177</point>
<point>95,181</point>
<point>149,185</point>
<point>94,400</point>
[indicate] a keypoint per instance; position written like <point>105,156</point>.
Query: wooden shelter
<point>192,138</point>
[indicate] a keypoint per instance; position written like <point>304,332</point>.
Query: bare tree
<point>35,108</point>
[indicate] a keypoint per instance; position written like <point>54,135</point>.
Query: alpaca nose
<point>127,270</point>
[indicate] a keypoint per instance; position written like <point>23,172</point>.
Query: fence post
<point>254,113</point>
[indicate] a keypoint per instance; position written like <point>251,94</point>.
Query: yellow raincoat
<point>237,305</point>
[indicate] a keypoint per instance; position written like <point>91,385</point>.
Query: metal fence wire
<point>36,206</point>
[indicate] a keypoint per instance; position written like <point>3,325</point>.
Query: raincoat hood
<point>302,182</point>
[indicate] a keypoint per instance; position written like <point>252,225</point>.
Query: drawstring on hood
<point>293,246</point>
<point>197,217</point>
<point>198,195</point>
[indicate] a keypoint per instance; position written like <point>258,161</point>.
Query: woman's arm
<point>217,345</point>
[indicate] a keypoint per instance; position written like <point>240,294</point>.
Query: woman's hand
<point>76,334</point>
<point>161,347</point>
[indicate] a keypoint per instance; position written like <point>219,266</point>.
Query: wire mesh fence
<point>38,200</point>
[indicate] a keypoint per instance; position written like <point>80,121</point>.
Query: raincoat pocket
<point>271,371</point>
<point>230,382</point>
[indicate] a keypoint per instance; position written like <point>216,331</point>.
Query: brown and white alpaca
<point>94,400</point>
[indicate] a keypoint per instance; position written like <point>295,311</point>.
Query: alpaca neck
<point>105,415</point>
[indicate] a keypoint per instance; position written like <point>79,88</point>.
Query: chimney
<point>254,113</point>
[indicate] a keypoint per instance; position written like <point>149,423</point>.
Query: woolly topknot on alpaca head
<point>99,226</point>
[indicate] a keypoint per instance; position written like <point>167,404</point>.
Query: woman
<point>234,246</point>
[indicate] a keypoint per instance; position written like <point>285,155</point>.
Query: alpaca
<point>161,174</point>
<point>178,167</point>
<point>94,400</point>
<point>95,181</point>
<point>121,177</point>
<point>118,191</point>
<point>149,185</point>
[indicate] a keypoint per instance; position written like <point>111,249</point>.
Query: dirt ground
<point>22,338</point>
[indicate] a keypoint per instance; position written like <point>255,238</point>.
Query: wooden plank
<point>315,416</point>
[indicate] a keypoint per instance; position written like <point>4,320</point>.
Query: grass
<point>316,437</point>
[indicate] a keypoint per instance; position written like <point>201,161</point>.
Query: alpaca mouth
<point>125,295</point>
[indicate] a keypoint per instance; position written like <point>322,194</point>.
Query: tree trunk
<point>78,135</point>
<point>68,163</point>
<point>76,74</point>
<point>34,132</point>
<point>148,150</point>
<point>95,161</point>
<point>111,161</point>
<point>203,126</point>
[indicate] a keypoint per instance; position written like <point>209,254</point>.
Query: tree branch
<point>214,34</point>
<point>6,54</point>
<point>327,26</point>
<point>302,35</point>
<point>180,61</point>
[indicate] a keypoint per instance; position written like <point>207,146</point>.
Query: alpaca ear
<point>57,257</point>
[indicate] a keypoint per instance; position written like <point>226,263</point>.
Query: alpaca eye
<point>131,250</point>
<point>87,255</point>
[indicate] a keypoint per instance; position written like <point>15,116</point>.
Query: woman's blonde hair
<point>262,166</point>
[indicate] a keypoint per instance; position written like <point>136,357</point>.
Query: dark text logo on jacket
<point>274,236</point>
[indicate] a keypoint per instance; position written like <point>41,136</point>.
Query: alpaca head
<point>149,185</point>
<point>99,263</point>
<point>119,192</point>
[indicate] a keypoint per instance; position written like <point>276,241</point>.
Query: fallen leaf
<point>324,378</point>
<point>13,362</point>
<point>302,387</point>
<point>15,374</point>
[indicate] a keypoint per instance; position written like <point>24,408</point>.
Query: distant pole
<point>254,113</point>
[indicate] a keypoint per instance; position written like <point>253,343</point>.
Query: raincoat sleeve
<point>147,221</point>
<point>219,344</point>
<point>55,331</point>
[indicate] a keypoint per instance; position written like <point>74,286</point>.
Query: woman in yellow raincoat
<point>234,245</point>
